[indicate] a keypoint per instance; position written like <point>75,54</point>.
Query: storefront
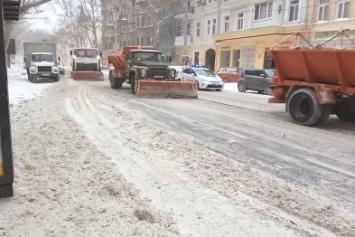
<point>9,10</point>
<point>248,49</point>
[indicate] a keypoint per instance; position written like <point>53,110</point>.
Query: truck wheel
<point>116,83</point>
<point>346,110</point>
<point>132,79</point>
<point>55,79</point>
<point>304,108</point>
<point>32,78</point>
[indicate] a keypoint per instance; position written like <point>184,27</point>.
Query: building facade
<point>130,22</point>
<point>239,32</point>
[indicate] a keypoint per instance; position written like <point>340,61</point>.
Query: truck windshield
<point>89,53</point>
<point>148,56</point>
<point>42,58</point>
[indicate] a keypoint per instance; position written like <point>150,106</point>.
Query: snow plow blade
<point>87,75</point>
<point>172,89</point>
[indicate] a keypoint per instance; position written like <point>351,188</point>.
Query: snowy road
<point>226,164</point>
<point>317,162</point>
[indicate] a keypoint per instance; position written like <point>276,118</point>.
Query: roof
<point>41,53</point>
<point>146,50</point>
<point>11,9</point>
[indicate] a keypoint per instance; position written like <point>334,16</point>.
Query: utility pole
<point>185,28</point>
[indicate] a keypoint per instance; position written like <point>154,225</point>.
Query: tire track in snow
<point>199,211</point>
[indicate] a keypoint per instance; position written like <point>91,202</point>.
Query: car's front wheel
<point>241,87</point>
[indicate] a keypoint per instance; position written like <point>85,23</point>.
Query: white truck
<point>41,61</point>
<point>86,64</point>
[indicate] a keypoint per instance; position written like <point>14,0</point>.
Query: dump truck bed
<point>327,66</point>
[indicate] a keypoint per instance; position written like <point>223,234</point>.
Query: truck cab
<point>86,59</point>
<point>42,65</point>
<point>148,63</point>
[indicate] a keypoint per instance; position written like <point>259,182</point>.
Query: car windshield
<point>90,53</point>
<point>42,57</point>
<point>204,72</point>
<point>148,56</point>
<point>270,73</point>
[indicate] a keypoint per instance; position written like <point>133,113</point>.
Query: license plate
<point>158,76</point>
<point>45,75</point>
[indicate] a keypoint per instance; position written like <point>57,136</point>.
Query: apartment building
<point>129,22</point>
<point>240,32</point>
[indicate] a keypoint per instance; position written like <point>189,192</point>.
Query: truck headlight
<point>55,69</point>
<point>144,72</point>
<point>33,69</point>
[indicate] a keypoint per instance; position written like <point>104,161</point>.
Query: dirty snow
<point>86,164</point>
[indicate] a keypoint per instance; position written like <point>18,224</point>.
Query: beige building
<point>239,32</point>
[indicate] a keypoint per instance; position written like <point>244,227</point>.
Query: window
<point>209,27</point>
<point>323,10</point>
<point>343,8</point>
<point>179,28</point>
<point>294,8</point>
<point>214,26</point>
<point>198,29</point>
<point>226,24</point>
<point>263,10</point>
<point>240,21</point>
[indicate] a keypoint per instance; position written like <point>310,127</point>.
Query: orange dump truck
<point>144,69</point>
<point>315,77</point>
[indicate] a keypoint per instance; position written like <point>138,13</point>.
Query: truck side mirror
<point>24,60</point>
<point>101,54</point>
<point>58,58</point>
<point>71,52</point>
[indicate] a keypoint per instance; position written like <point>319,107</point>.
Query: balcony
<point>179,41</point>
<point>180,12</point>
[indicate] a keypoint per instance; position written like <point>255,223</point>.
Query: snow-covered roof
<point>42,53</point>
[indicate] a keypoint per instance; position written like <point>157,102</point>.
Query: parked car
<point>204,77</point>
<point>178,71</point>
<point>230,74</point>
<point>61,69</point>
<point>256,79</point>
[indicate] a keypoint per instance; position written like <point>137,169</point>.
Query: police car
<point>204,77</point>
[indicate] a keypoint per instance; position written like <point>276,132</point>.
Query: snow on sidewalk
<point>20,89</point>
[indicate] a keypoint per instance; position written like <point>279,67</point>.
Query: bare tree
<point>80,19</point>
<point>91,18</point>
<point>68,19</point>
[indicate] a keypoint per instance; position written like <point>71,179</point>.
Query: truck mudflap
<point>87,75</point>
<point>166,89</point>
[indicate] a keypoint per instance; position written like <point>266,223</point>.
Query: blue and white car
<point>204,77</point>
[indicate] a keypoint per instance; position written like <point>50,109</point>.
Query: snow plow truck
<point>144,69</point>
<point>315,76</point>
<point>86,64</point>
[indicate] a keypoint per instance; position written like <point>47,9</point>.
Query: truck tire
<point>305,110</point>
<point>132,79</point>
<point>32,78</point>
<point>56,79</point>
<point>115,83</point>
<point>346,110</point>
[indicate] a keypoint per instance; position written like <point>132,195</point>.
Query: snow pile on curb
<point>20,89</point>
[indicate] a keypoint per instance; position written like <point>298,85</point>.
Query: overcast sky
<point>51,22</point>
